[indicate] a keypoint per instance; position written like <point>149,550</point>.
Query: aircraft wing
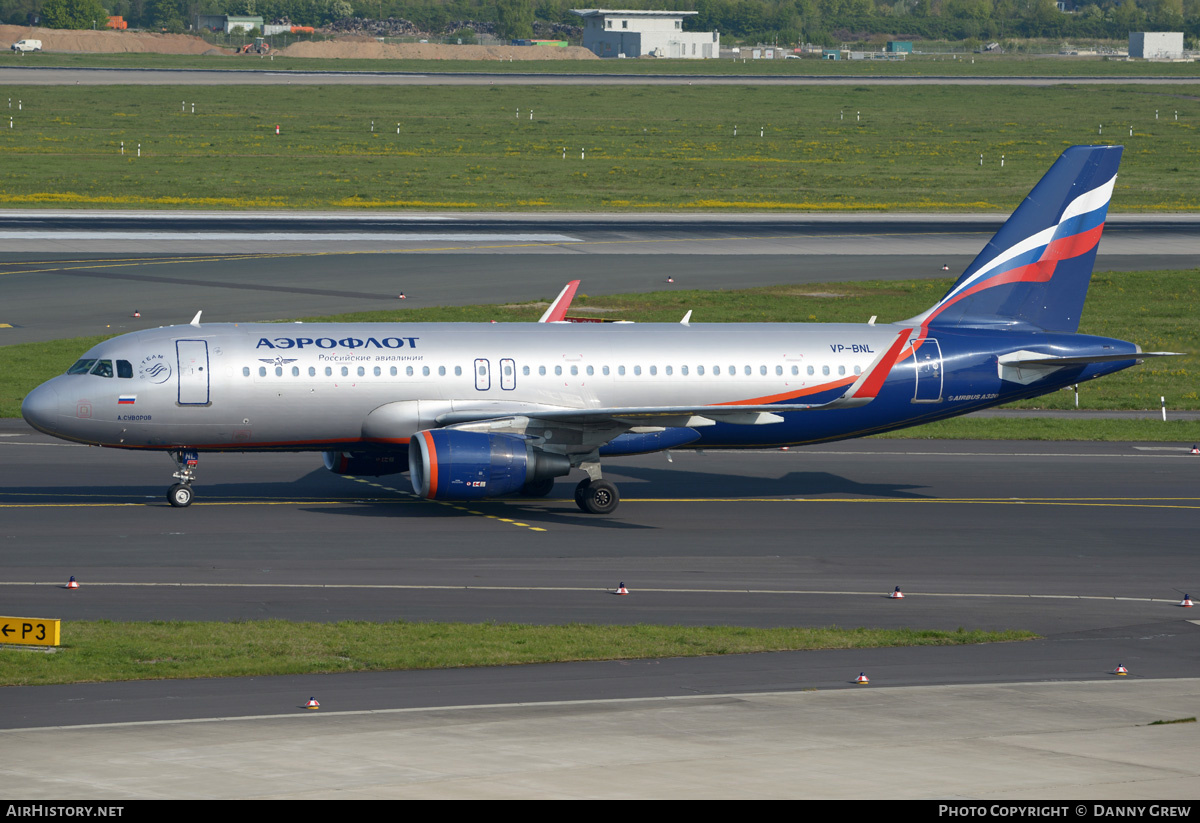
<point>861,392</point>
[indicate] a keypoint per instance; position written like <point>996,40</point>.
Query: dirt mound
<point>365,48</point>
<point>350,47</point>
<point>106,41</point>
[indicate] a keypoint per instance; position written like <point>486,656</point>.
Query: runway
<point>1088,544</point>
<point>269,73</point>
<point>273,266</point>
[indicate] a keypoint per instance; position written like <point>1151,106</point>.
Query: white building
<point>1156,45</point>
<point>624,33</point>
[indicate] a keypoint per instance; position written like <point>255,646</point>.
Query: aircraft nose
<point>40,408</point>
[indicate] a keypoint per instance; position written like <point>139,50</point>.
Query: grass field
<point>627,148</point>
<point>102,651</point>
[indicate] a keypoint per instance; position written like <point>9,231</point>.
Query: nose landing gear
<point>180,495</point>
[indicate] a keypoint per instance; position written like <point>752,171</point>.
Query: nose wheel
<point>181,495</point>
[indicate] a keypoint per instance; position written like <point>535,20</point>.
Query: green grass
<point>101,651</point>
<point>648,148</point>
<point>1152,308</point>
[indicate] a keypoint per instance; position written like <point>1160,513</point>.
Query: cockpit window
<point>81,367</point>
<point>124,368</point>
<point>103,368</point>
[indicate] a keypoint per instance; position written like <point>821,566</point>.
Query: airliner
<point>481,410</point>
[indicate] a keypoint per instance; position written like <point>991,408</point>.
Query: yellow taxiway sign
<point>29,631</point>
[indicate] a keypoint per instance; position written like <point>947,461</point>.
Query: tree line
<point>784,22</point>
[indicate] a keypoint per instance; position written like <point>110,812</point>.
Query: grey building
<point>628,33</point>
<point>1156,45</point>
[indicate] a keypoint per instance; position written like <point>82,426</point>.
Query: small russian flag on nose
<point>127,400</point>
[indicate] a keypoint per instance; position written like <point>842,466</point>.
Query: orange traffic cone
<point>862,678</point>
<point>1121,670</point>
<point>71,584</point>
<point>1186,602</point>
<point>312,703</point>
<point>137,313</point>
<point>1195,449</point>
<point>401,296</point>
<point>277,129</point>
<point>945,267</point>
<point>897,594</point>
<point>622,590</point>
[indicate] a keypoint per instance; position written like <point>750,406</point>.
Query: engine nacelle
<point>373,464</point>
<point>448,464</point>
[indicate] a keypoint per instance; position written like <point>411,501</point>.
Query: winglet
<point>557,313</point>
<point>196,319</point>
<point>867,386</point>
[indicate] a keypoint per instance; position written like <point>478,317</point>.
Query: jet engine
<point>448,464</point>
<point>366,464</point>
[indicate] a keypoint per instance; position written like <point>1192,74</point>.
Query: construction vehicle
<point>259,46</point>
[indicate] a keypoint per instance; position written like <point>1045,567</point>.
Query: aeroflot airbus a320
<point>480,410</point>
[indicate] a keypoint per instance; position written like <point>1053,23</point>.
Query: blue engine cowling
<point>366,464</point>
<point>448,464</point>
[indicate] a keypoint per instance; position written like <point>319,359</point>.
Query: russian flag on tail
<point>1035,272</point>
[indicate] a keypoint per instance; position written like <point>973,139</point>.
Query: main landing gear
<point>596,496</point>
<point>180,495</point>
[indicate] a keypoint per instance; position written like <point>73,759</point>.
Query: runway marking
<point>909,594</point>
<point>409,497</point>
<point>417,498</point>
<point>213,236</point>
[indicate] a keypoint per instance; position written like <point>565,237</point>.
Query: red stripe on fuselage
<point>874,382</point>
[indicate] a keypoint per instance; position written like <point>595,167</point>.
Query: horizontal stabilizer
<point>1026,367</point>
<point>1083,360</point>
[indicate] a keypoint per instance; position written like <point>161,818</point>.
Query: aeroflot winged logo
<point>331,343</point>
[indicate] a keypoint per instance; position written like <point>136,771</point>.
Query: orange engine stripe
<point>431,464</point>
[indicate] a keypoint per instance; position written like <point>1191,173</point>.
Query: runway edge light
<point>1121,670</point>
<point>312,703</point>
<point>862,679</point>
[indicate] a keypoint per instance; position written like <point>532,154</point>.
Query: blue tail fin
<point>1035,272</point>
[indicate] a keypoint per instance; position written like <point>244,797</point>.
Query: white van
<point>27,45</point>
